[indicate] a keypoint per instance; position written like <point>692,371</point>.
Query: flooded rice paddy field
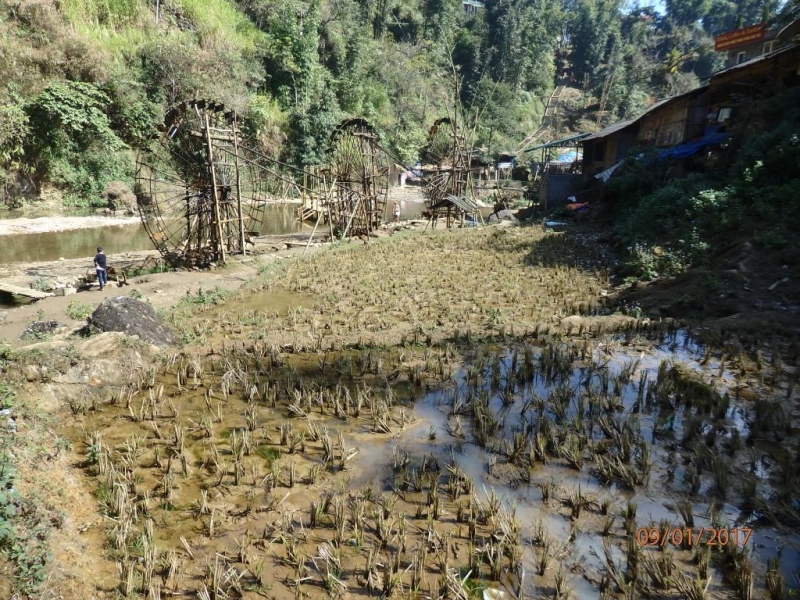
<point>558,468</point>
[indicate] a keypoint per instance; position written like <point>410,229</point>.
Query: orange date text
<point>686,537</point>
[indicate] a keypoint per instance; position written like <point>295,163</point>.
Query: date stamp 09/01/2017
<point>692,536</point>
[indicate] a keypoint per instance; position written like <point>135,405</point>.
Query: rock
<point>503,215</point>
<point>17,189</point>
<point>118,196</point>
<point>40,329</point>
<point>31,373</point>
<point>132,317</point>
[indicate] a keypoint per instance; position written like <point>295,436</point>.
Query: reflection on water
<point>73,243</point>
<point>622,374</point>
<point>80,243</point>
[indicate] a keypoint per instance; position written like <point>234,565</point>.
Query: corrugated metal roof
<point>462,202</point>
<point>609,130</point>
<point>557,143</point>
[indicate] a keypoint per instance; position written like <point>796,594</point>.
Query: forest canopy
<point>84,80</point>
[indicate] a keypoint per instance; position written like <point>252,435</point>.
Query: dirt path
<point>162,290</point>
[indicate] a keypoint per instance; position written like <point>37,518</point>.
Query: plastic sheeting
<point>605,175</point>
<point>688,149</point>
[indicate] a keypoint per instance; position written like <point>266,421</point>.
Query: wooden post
<point>311,237</point>
<point>328,200</point>
<point>353,214</point>
<point>238,185</point>
<point>215,193</point>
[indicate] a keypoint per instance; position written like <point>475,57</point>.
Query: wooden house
<point>682,125</point>
<point>397,175</point>
<point>608,146</point>
<point>731,88</point>
<point>672,120</point>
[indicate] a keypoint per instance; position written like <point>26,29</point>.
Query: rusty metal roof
<point>462,202</point>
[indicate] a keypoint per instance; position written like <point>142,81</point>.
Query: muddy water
<point>655,501</point>
<point>413,404</point>
<point>80,243</point>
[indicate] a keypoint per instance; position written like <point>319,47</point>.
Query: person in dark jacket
<point>100,267</point>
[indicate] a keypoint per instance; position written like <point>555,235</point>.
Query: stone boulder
<point>41,329</point>
<point>118,196</point>
<point>132,317</point>
<point>503,215</point>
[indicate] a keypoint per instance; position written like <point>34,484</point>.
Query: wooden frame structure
<point>199,189</point>
<point>359,168</point>
<point>451,176</point>
<point>202,187</point>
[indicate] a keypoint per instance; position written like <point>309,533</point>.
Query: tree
<point>687,12</point>
<point>725,15</point>
<point>72,142</point>
<point>521,40</point>
<point>439,18</point>
<point>593,26</point>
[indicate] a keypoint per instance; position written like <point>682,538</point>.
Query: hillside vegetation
<point>83,80</point>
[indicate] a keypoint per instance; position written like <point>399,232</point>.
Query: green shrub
<point>13,131</point>
<point>79,311</point>
<point>42,284</point>
<point>72,142</point>
<point>213,296</point>
<point>8,509</point>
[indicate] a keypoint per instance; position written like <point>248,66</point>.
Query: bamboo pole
<point>238,185</point>
<point>215,192</point>
<point>353,214</point>
<point>319,218</point>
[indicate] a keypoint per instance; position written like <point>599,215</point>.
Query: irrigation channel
<point>639,464</point>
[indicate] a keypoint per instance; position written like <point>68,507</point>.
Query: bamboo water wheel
<point>200,188</point>
<point>359,171</point>
<point>448,183</point>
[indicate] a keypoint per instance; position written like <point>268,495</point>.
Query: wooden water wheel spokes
<point>199,190</point>
<point>360,170</point>
<point>446,151</point>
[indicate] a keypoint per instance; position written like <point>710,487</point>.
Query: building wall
<point>737,56</point>
<point>674,123</point>
<point>556,187</point>
<point>602,153</point>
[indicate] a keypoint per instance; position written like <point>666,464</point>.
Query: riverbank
<point>26,225</point>
<point>162,288</point>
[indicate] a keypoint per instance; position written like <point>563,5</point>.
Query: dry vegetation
<point>464,433</point>
<point>418,287</point>
<point>250,473</point>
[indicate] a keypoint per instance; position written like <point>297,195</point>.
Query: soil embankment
<point>60,223</point>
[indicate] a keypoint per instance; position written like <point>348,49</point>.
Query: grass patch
<point>420,288</point>
<point>268,453</point>
<point>24,520</point>
<point>218,22</point>
<point>213,296</point>
<point>79,311</point>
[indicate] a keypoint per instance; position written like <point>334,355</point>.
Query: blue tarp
<point>569,156</point>
<point>691,148</point>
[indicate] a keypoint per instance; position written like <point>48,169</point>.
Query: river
<point>80,243</point>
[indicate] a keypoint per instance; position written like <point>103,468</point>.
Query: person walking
<point>100,267</point>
